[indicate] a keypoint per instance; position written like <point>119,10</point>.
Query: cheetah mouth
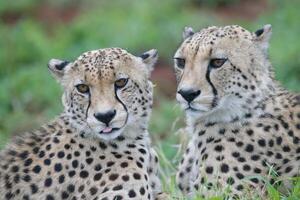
<point>108,130</point>
<point>191,109</point>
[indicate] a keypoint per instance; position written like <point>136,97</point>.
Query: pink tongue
<point>107,130</point>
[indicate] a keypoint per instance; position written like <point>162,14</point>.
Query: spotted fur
<point>241,121</point>
<point>71,157</point>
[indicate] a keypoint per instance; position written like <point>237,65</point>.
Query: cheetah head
<point>221,70</point>
<point>106,90</point>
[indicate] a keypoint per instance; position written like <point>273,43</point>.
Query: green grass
<point>30,96</point>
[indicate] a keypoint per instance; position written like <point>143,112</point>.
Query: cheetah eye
<point>121,82</point>
<point>217,62</point>
<point>180,62</point>
<point>82,88</point>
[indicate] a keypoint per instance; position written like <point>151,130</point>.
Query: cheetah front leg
<point>153,171</point>
<point>187,170</point>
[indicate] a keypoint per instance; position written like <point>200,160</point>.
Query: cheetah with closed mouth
<point>99,147</point>
<point>241,121</point>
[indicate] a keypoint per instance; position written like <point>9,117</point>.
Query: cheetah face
<point>106,90</point>
<point>218,67</point>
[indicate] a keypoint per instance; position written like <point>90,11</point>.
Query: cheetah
<point>98,147</point>
<point>241,122</point>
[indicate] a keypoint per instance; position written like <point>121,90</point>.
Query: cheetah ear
<point>187,32</point>
<point>149,58</point>
<point>57,68</point>
<point>262,37</point>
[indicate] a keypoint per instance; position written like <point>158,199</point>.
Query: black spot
<point>47,161</point>
<point>34,188</point>
<point>49,197</point>
<point>278,140</point>
<point>23,155</point>
<point>36,169</point>
<point>14,169</point>
<point>239,144</point>
<point>143,151</point>
<point>139,164</point>
<point>235,154</point>
<point>60,154</point>
<point>262,142</point>
<point>71,188</point>
<point>222,131</point>
<point>254,180</point>
<point>64,195</point>
<point>124,164</point>
<point>61,179</point>
<point>246,167</point>
<point>239,187</point>
<point>278,156</point>
<point>97,176</point>
<point>102,145</point>
<point>27,178</point>
<point>98,167</point>
<point>93,190</point>
<point>249,148</point>
<point>27,162</point>
<point>209,169</point>
<point>257,170</point>
<point>113,177</point>
<point>136,176</point>
<point>255,157</point>
<point>84,174</point>
<point>271,143</point>
<point>224,168</point>
<point>110,163</point>
<point>131,193</point>
<point>201,133</point>
<point>118,187</point>
<point>142,191</point>
<point>219,148</point>
<point>48,182</point>
<point>239,175</point>
<point>71,173</point>
<point>286,148</point>
<point>125,178</point>
<point>74,163</point>
<point>57,167</point>
<point>288,169</point>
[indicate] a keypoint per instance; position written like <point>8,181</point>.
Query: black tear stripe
<point>71,97</point>
<point>215,92</point>
<point>122,105</point>
<point>89,104</point>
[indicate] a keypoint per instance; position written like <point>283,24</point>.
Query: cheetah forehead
<point>104,58</point>
<point>104,63</point>
<point>214,34</point>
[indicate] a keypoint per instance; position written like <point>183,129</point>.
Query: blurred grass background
<point>33,31</point>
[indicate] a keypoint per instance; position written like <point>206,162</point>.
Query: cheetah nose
<point>105,117</point>
<point>189,95</point>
